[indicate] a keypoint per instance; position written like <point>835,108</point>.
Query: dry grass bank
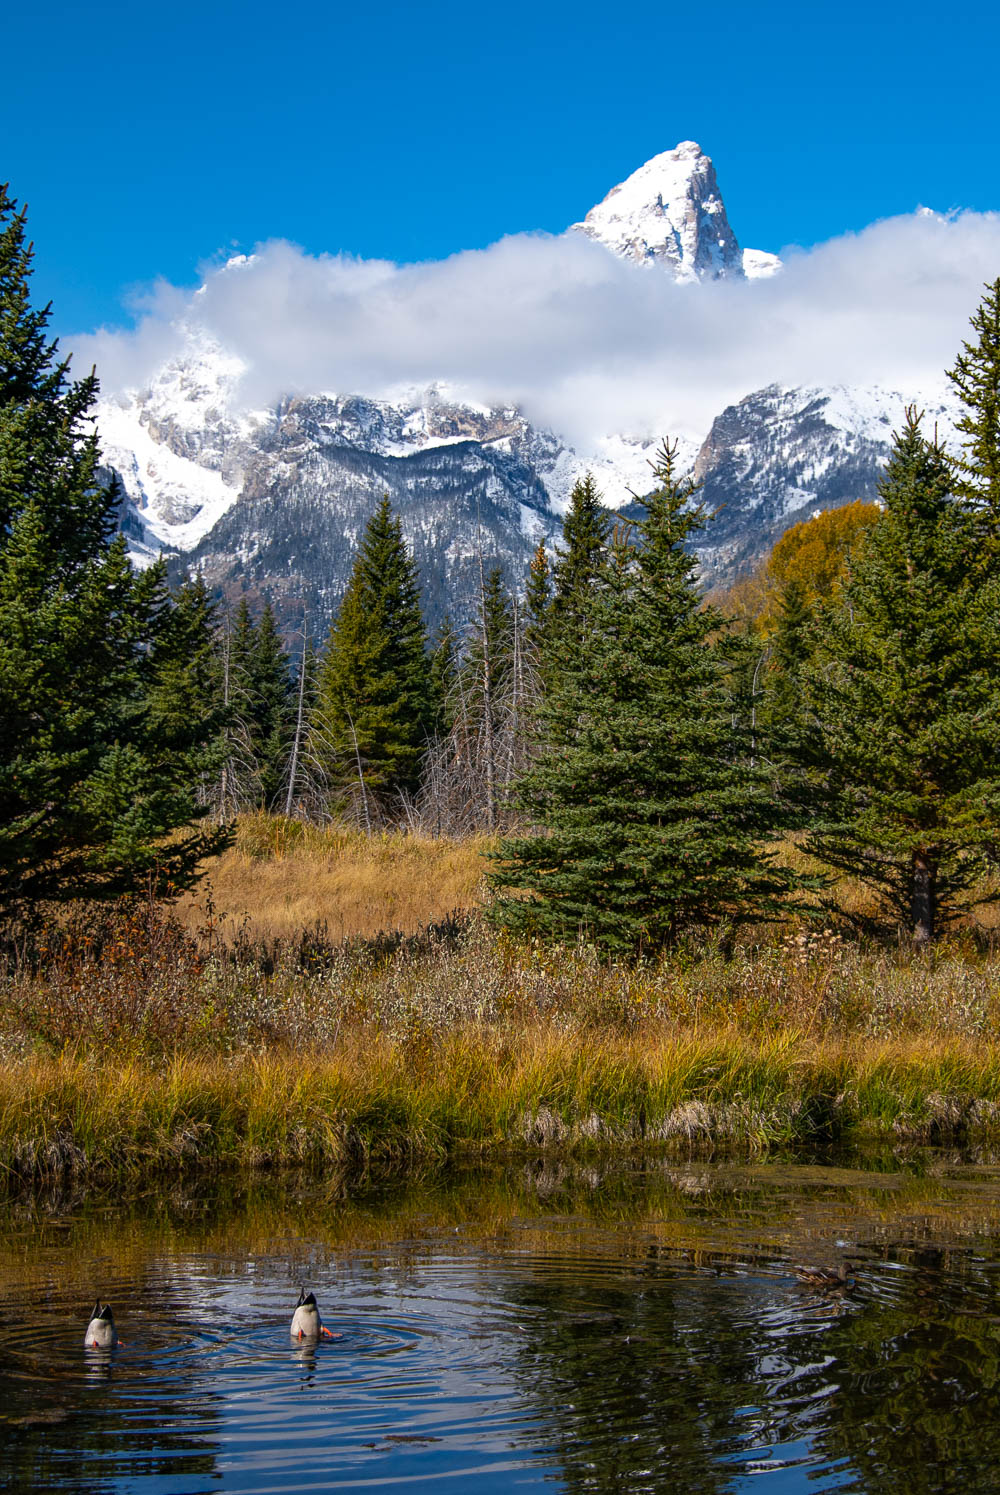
<point>137,1048</point>
<point>339,1016</point>
<point>376,1103</point>
<point>282,877</point>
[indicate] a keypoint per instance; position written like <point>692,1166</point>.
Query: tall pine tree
<point>976,378</point>
<point>373,710</point>
<point>538,600</point>
<point>91,780</point>
<point>578,561</point>
<point>272,709</point>
<point>650,816</point>
<point>444,674</point>
<point>905,695</point>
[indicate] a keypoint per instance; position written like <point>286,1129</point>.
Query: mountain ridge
<point>271,499</point>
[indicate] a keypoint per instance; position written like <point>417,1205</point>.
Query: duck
<point>101,1332</point>
<point>306,1322</point>
<point>826,1277</point>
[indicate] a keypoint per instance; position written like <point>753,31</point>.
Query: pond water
<point>660,1326</point>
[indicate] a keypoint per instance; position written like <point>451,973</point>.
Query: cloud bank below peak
<point>581,340</point>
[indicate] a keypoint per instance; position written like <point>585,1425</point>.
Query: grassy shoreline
<point>385,1105</point>
<point>136,1042</point>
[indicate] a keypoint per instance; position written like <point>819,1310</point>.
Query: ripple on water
<point>562,1350</point>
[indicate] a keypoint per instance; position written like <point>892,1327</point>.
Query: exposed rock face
<point>782,454</point>
<point>274,500</point>
<point>670,213</point>
<point>311,484</point>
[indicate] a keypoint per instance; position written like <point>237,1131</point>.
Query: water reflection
<point>673,1328</point>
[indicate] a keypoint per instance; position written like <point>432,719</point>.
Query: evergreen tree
<point>781,713</point>
<point>186,718</point>
<point>579,560</point>
<point>235,789</point>
<point>538,600</point>
<point>260,708</point>
<point>373,708</point>
<point>489,654</point>
<point>272,707</point>
<point>650,815</point>
<point>905,692</point>
<point>48,448</point>
<point>976,377</point>
<point>242,642</point>
<point>88,792</point>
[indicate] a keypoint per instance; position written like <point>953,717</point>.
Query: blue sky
<point>148,140</point>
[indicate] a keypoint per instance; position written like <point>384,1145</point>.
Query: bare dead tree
<point>297,740</point>
<point>470,771</point>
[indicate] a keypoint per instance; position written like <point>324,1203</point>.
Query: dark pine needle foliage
<point>903,693</point>
<point>651,811</point>
<point>374,693</point>
<point>96,769</point>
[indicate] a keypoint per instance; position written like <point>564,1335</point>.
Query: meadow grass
<point>282,876</point>
<point>132,1040</point>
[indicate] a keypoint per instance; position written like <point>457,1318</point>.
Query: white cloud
<point>583,341</point>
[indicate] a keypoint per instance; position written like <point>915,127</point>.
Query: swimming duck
<point>306,1322</point>
<point>826,1277</point>
<point>101,1332</point>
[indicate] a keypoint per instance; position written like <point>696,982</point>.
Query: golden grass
<point>282,877</point>
<point>376,1102</point>
<point>129,1045</point>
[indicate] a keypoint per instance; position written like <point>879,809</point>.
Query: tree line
<point>645,753</point>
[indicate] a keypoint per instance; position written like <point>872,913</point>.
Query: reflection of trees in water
<point>90,1419</point>
<point>642,1376</point>
<point>88,1434</point>
<point>635,1355</point>
<point>669,1379</point>
<point>918,1410</point>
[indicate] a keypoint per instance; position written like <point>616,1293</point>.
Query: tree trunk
<point>224,776</point>
<point>491,813</point>
<point>293,771</point>
<point>923,899</point>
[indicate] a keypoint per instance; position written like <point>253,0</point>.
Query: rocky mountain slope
<point>782,455</point>
<point>273,500</point>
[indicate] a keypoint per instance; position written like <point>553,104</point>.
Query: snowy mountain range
<point>272,500</point>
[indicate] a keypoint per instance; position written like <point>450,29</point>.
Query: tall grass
<point>381,1104</point>
<point>132,1040</point>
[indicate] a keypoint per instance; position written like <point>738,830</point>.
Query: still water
<point>678,1327</point>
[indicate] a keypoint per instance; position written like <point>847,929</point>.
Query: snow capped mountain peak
<point>670,212</point>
